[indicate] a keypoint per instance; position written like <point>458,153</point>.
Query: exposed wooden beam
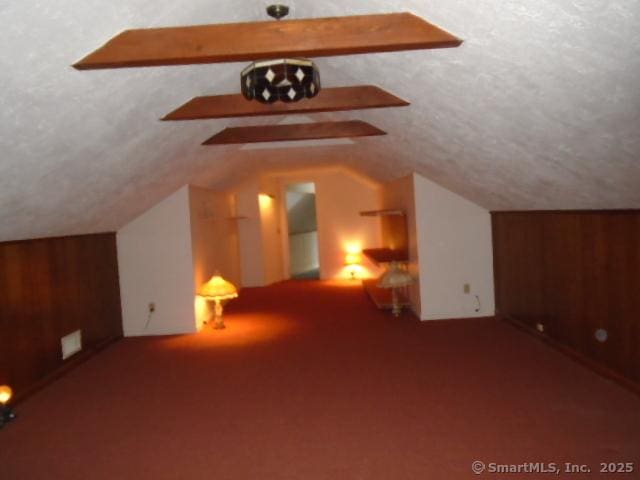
<point>234,42</point>
<point>328,100</point>
<point>298,131</point>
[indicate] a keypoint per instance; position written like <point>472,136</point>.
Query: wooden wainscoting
<point>48,289</point>
<point>573,272</point>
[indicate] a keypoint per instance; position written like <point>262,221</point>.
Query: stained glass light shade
<point>285,80</point>
<point>217,288</point>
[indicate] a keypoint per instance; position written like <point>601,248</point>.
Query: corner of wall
<point>155,265</point>
<point>214,243</point>
<point>400,193</point>
<point>455,249</point>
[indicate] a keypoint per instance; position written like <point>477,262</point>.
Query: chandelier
<point>285,79</point>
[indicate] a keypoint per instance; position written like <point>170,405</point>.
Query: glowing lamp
<point>5,394</point>
<point>265,200</point>
<point>352,261</point>
<point>6,415</point>
<point>394,278</point>
<point>218,289</point>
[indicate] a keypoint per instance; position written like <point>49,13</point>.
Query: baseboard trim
<point>452,319</point>
<point>585,361</point>
<point>74,361</point>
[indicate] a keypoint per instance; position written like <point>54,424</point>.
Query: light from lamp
<point>353,259</point>
<point>5,394</point>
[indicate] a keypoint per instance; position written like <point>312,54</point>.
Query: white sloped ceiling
<point>538,109</point>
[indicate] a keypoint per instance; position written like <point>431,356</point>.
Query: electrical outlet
<point>601,335</point>
<point>152,307</point>
<point>466,288</point>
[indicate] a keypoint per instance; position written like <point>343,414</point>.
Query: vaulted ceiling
<point>539,108</point>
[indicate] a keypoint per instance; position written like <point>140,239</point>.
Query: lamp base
<point>6,415</point>
<point>218,322</point>
<point>397,308</point>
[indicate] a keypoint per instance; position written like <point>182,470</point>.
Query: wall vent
<point>71,344</point>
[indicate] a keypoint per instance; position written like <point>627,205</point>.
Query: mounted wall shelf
<point>382,213</point>
<point>386,255</point>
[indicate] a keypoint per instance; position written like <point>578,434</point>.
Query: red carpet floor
<point>322,387</point>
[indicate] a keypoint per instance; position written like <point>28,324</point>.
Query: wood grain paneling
<point>48,289</point>
<point>394,233</point>
<point>233,42</point>
<point>328,100</point>
<point>574,272</point>
<point>294,131</point>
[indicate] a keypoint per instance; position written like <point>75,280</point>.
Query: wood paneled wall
<point>48,289</point>
<point>574,272</point>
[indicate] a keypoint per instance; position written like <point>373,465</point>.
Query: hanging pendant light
<point>285,79</point>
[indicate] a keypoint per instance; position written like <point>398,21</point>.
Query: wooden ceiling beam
<point>328,100</point>
<point>298,131</point>
<point>235,42</point>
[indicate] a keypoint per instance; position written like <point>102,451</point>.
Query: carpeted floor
<point>323,386</point>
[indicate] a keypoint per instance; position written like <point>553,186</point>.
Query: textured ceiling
<point>539,108</point>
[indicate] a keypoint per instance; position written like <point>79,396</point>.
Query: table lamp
<point>394,278</point>
<point>352,261</point>
<point>218,289</point>
<point>6,415</point>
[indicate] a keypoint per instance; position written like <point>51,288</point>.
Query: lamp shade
<point>395,277</point>
<point>217,288</point>
<point>353,259</point>
<point>286,79</point>
<point>5,394</point>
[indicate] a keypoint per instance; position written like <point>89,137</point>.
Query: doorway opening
<point>304,262</point>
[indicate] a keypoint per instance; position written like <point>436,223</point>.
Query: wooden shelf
<point>386,255</point>
<point>382,297</point>
<point>381,213</point>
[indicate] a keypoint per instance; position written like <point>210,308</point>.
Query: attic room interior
<point>320,240</point>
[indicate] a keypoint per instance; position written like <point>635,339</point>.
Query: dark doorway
<point>304,261</point>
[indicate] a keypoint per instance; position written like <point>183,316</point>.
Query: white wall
<point>454,248</point>
<point>155,265</point>
<point>214,240</point>
<point>270,201</point>
<point>252,272</point>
